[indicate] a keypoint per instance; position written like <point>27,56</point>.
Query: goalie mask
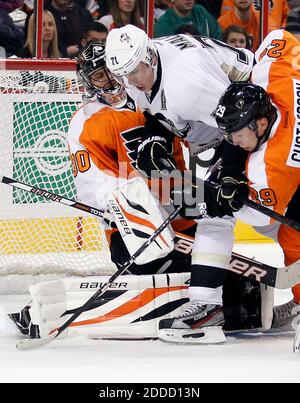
<point>126,48</point>
<point>96,78</point>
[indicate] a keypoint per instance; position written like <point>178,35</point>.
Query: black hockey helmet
<point>240,106</point>
<point>90,60</point>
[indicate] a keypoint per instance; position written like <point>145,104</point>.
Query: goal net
<point>37,100</point>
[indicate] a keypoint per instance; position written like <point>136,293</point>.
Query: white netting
<point>38,236</point>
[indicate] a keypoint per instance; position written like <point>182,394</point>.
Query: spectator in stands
<point>11,36</point>
<point>293,22</point>
<point>71,21</point>
<point>278,10</point>
<point>50,41</point>
<point>237,36</point>
<point>188,29</point>
<point>123,12</point>
<point>160,7</point>
<point>186,12</point>
<point>104,7</point>
<point>93,33</point>
<point>243,15</point>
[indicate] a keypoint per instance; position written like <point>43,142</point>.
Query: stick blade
<point>30,344</point>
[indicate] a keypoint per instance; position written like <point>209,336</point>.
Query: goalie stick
<point>284,277</point>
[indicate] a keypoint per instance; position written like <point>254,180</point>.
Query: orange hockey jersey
<point>103,143</point>
<point>274,169</point>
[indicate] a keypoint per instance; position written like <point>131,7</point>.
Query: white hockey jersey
<point>191,76</point>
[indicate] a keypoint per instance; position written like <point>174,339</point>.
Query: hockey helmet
<point>126,48</point>
<point>91,60</point>
<point>240,106</point>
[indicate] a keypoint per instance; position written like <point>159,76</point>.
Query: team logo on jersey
<point>125,38</point>
<point>131,139</point>
<point>130,105</point>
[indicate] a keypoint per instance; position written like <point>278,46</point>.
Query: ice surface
<point>77,359</point>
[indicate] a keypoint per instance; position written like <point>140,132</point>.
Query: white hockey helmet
<point>126,48</point>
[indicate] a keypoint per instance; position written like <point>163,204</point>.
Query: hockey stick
<point>282,278</point>
<point>272,214</point>
<point>52,196</point>
<point>29,344</point>
<point>264,210</point>
<point>94,211</point>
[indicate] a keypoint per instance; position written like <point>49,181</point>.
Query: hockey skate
<point>286,317</point>
<point>198,324</point>
<point>23,322</point>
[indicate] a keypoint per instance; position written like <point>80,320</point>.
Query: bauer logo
<point>96,284</point>
<point>119,218</point>
<point>247,269</point>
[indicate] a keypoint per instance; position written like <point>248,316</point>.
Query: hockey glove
<point>197,201</point>
<point>233,189</point>
<point>154,157</point>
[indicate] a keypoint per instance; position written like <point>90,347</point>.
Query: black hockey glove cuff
<point>198,201</point>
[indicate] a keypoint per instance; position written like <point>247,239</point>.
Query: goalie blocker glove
<point>154,157</point>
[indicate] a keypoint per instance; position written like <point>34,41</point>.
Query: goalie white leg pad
<point>138,214</point>
<point>130,308</point>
